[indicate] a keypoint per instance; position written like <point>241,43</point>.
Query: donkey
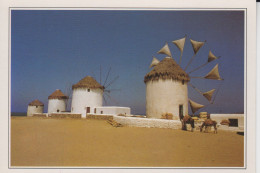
<point>187,120</point>
<point>208,123</point>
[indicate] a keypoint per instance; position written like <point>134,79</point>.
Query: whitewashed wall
<point>34,109</point>
<point>165,96</point>
<point>113,110</point>
<point>220,117</point>
<point>56,104</point>
<point>148,122</point>
<point>81,99</point>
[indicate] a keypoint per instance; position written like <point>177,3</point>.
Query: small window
<point>101,112</point>
<point>233,122</point>
<point>182,82</point>
<point>95,110</point>
<point>58,110</point>
<point>88,90</point>
<point>36,106</point>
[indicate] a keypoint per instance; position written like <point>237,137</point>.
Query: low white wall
<point>220,117</point>
<point>148,122</point>
<point>40,115</point>
<point>113,110</point>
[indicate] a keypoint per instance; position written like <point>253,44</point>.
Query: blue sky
<point>53,49</point>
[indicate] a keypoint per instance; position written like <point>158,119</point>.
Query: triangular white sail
<point>180,43</point>
<point>196,45</point>
<point>195,106</point>
<point>165,50</point>
<point>208,94</point>
<point>155,61</point>
<point>211,57</point>
<point>213,74</point>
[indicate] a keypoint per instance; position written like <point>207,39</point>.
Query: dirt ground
<point>95,143</point>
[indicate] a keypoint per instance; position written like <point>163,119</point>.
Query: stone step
<point>114,123</point>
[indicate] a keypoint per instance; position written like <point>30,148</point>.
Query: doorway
<point>180,111</point>
<point>88,110</point>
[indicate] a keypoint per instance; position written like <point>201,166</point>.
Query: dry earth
<point>95,143</point>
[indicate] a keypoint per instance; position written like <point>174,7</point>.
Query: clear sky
<point>53,49</point>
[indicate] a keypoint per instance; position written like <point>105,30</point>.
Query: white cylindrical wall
<point>81,99</point>
<point>165,96</point>
<point>34,109</point>
<point>55,105</point>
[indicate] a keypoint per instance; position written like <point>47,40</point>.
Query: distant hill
<point>18,114</point>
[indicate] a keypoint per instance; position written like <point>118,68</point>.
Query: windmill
<point>167,71</point>
<point>90,82</point>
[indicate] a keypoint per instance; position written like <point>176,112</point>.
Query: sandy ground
<point>95,143</point>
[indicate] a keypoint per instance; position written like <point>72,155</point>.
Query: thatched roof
<point>57,95</point>
<point>87,82</point>
<point>167,69</point>
<point>36,103</point>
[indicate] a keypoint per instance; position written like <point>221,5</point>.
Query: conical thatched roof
<point>167,69</point>
<point>87,82</point>
<point>57,95</point>
<point>36,103</point>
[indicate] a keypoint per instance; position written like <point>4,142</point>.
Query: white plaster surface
<point>81,99</point>
<point>113,110</point>
<point>165,96</point>
<point>34,109</point>
<point>148,122</point>
<point>56,104</point>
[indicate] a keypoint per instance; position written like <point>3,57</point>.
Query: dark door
<point>88,109</point>
<point>180,111</point>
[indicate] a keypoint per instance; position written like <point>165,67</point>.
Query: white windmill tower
<point>35,107</point>
<point>166,89</point>
<point>57,102</point>
<point>86,95</point>
<point>166,83</point>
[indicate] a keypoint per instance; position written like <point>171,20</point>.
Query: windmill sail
<point>165,50</point>
<point>213,74</point>
<point>155,61</point>
<point>195,106</point>
<point>180,43</point>
<point>196,45</point>
<point>211,57</point>
<point>208,94</point>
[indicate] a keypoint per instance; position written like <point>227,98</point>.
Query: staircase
<point>114,123</point>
